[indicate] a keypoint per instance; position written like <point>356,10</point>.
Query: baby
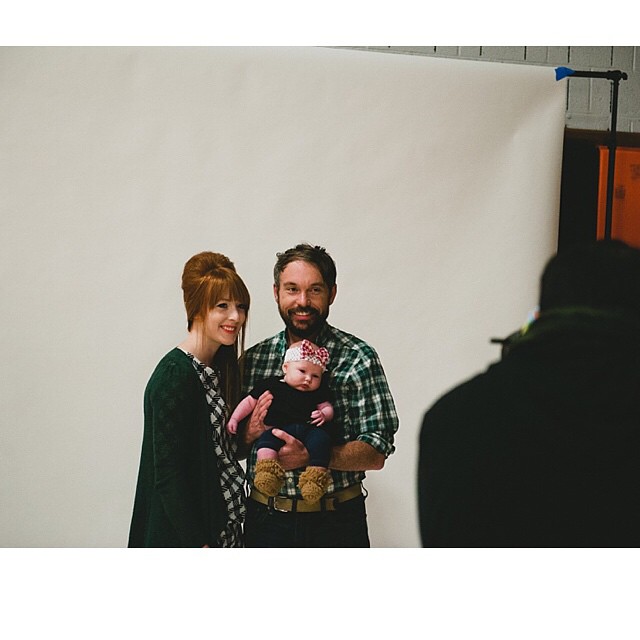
<point>300,407</point>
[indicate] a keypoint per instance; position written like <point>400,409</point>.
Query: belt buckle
<point>274,504</point>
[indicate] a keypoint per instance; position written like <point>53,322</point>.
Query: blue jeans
<point>317,441</point>
<point>342,528</point>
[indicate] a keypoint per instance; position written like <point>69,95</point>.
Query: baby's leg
<point>315,479</point>
<point>269,476</point>
<point>267,454</point>
<point>318,444</point>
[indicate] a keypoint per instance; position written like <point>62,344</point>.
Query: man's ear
<point>275,292</point>
<point>332,293</point>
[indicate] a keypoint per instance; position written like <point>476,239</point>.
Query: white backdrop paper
<point>433,183</point>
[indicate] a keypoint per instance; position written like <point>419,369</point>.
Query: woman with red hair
<point>190,485</point>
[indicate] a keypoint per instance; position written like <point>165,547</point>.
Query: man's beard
<point>308,329</point>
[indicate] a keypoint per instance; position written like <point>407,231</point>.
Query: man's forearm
<point>356,456</point>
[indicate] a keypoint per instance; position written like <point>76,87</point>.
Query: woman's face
<point>223,322</point>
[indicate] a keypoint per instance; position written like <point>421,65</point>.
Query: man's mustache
<point>305,310</point>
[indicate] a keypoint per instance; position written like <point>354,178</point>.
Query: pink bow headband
<point>306,351</point>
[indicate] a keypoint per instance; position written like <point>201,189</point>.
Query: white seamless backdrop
<point>433,183</point>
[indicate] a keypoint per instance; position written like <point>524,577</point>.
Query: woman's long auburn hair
<point>207,278</point>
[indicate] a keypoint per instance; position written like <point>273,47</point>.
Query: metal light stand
<point>614,77</point>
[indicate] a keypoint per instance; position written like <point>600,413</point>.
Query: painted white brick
<point>558,55</point>
<point>536,54</point>
<point>600,97</point>
<point>585,58</point>
<point>588,121</point>
<point>448,51</point>
<point>629,96</point>
<point>470,52</point>
<point>415,50</point>
<point>503,53</point>
<point>579,94</point>
<point>624,124</point>
<point>623,59</point>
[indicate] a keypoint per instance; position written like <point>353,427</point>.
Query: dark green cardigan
<point>178,500</point>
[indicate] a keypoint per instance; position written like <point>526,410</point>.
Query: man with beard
<point>364,412</point>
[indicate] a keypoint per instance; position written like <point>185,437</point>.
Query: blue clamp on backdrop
<point>563,72</point>
<point>614,75</point>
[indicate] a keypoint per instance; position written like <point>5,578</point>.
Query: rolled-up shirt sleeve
<point>370,413</point>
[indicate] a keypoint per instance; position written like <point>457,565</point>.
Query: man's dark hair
<point>314,255</point>
<point>600,275</point>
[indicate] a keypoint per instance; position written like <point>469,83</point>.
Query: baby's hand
<point>317,418</point>
<point>232,426</point>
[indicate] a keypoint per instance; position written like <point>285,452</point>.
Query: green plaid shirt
<point>363,406</point>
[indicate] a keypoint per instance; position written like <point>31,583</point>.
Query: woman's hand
<point>256,426</point>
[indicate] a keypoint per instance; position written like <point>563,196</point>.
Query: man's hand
<point>256,426</point>
<point>293,454</point>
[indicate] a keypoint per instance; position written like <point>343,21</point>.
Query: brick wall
<point>588,100</point>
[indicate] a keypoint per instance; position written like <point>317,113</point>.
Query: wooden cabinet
<point>625,212</point>
<point>584,187</point>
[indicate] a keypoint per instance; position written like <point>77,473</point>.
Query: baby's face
<point>302,375</point>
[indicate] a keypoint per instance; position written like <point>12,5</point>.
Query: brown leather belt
<point>327,503</point>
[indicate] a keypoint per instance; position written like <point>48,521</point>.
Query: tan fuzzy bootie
<point>313,483</point>
<point>269,477</point>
